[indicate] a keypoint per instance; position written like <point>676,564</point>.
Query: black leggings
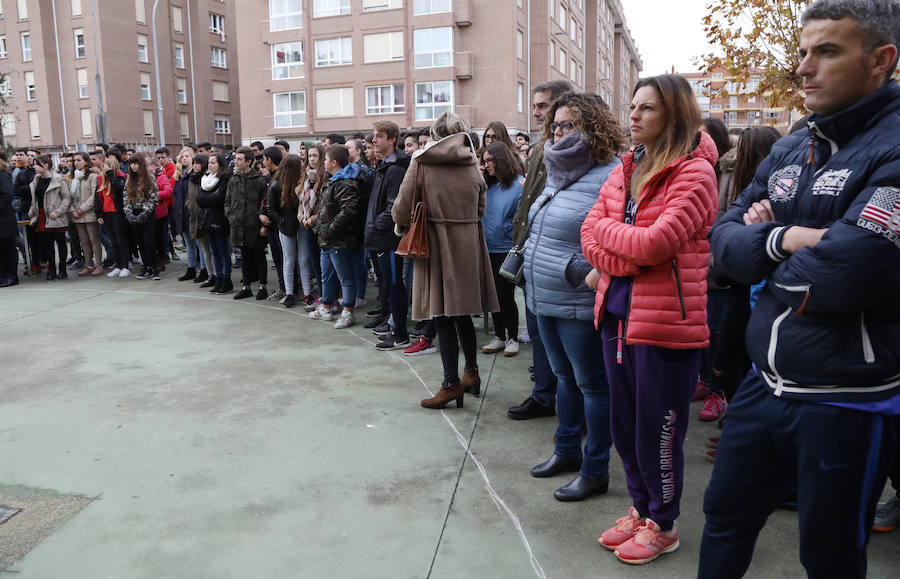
<point>453,332</point>
<point>9,259</point>
<point>47,239</point>
<point>145,234</point>
<point>116,228</point>
<point>506,321</point>
<point>161,238</point>
<point>253,265</point>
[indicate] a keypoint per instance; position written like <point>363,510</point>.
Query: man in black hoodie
<point>22,199</point>
<point>379,233</point>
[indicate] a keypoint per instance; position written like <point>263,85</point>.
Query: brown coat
<point>456,278</point>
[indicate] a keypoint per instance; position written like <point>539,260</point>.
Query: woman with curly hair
<point>141,199</point>
<point>581,142</point>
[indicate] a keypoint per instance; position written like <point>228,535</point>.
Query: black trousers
<point>145,234</point>
<point>117,229</point>
<point>75,242</point>
<point>277,254</point>
<point>9,259</point>
<point>454,332</point>
<point>161,237</point>
<point>253,265</point>
<point>506,321</point>
<point>47,239</point>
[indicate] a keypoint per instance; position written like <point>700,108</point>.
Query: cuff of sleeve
<point>773,244</point>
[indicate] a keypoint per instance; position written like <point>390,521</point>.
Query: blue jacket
<point>826,326</point>
<point>555,266</point>
<point>500,208</point>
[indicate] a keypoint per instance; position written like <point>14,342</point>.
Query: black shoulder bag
<point>514,263</point>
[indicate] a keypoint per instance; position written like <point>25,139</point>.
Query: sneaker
<point>124,272</point>
<point>346,320</point>
<point>244,293</point>
<point>494,346</point>
<point>524,337</point>
<point>276,295</point>
<point>373,323</point>
<point>711,455</point>
<point>713,407</point>
<point>308,300</point>
<point>284,299</point>
<point>262,294</point>
<point>887,516</point>
<point>647,544</point>
<point>511,348</point>
<point>360,302</point>
<point>311,307</point>
<point>712,442</point>
<point>145,274</point>
<point>375,312</point>
<point>626,528</point>
<point>382,330</point>
<point>700,392</point>
<point>422,346</point>
<point>114,273</point>
<point>289,301</point>
<point>155,275</point>
<point>321,313</point>
<point>389,343</point>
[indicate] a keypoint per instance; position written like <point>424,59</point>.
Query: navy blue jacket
<point>386,180</point>
<point>827,324</point>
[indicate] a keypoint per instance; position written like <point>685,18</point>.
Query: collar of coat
<point>842,126</point>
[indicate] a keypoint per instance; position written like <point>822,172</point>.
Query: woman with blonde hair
<point>646,237</point>
<point>110,186</point>
<point>82,187</point>
<point>455,280</point>
<point>184,164</point>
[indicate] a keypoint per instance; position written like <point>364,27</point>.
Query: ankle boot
<point>217,286</point>
<point>190,273</point>
<point>454,391</point>
<point>471,381</point>
<point>210,282</point>
<point>204,275</point>
<point>227,286</point>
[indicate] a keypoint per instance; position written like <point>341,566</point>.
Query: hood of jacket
<point>454,149</point>
<point>726,161</point>
<point>351,171</point>
<point>398,157</point>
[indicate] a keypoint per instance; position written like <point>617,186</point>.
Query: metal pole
<point>62,96</point>
<point>191,53</point>
<point>101,115</point>
<point>159,104</point>
<point>527,103</point>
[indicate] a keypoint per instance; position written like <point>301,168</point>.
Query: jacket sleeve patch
<point>881,214</point>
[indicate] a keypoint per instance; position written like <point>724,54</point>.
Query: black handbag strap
<point>527,231</point>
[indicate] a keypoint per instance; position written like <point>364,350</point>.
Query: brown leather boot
<point>471,381</point>
<point>445,395</point>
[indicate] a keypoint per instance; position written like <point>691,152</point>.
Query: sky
<point>668,33</point>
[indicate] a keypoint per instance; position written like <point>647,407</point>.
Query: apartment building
<point>83,71</point>
<point>313,67</point>
<point>741,107</point>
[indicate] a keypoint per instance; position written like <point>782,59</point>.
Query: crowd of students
<point>629,318</point>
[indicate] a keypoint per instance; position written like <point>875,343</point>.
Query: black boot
<point>217,286</point>
<point>202,277</point>
<point>227,286</point>
<point>210,282</point>
<point>190,273</point>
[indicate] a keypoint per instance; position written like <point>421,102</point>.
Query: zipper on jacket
<point>678,287</point>
<point>798,288</point>
<point>868,350</point>
<point>773,346</point>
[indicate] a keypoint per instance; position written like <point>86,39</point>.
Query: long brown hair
<point>592,117</point>
<point>289,175</point>
<point>506,166</point>
<point>752,148</point>
<point>683,120</point>
<point>88,165</point>
<point>140,183</point>
<point>321,176</point>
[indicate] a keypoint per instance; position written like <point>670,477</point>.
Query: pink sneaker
<point>713,407</point>
<point>649,543</point>
<point>422,346</point>
<point>701,391</point>
<point>626,528</point>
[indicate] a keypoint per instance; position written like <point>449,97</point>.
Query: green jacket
<point>242,199</point>
<point>534,185</point>
<point>339,224</point>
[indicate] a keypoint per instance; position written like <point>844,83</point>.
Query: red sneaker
<point>625,529</point>
<point>700,392</point>
<point>422,346</point>
<point>713,407</point>
<point>649,543</point>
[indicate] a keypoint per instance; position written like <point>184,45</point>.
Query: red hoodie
<point>164,187</point>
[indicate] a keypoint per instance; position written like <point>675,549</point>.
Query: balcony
<point>463,11</point>
<point>463,63</point>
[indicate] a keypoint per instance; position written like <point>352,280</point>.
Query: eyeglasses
<point>564,127</point>
<point>490,137</point>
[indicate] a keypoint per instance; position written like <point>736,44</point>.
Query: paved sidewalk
<point>224,439</point>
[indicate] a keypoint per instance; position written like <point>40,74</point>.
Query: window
<point>520,44</point>
<point>177,23</point>
<point>716,107</point>
<point>34,123</point>
<point>184,122</point>
<point>330,8</point>
<point>181,90</point>
<point>563,16</point>
<point>5,88</point>
<point>383,47</point>
<point>218,57</point>
<point>718,75</point>
<point>22,5</point>
<point>140,11</point>
<point>433,99</point>
<point>573,28</point>
<point>552,53</point>
<point>9,124</point>
<point>220,91</point>
<point>179,55</point>
<point>369,5</point>
<point>142,49</point>
<point>79,42</point>
<point>573,71</point>
<point>434,47</point>
<point>30,91</point>
<point>26,47</point>
<point>290,109</point>
<point>148,123</point>
<point>385,99</point>
<point>82,76</point>
<point>76,8</point>
<point>431,6</point>
<point>732,102</point>
<point>334,102</point>
<point>223,125</point>
<point>285,14</point>
<point>217,24</point>
<point>333,51</point>
<point>580,36</point>
<point>87,126</point>
<point>3,53</point>
<point>287,60</point>
<point>520,97</point>
<point>563,58</point>
<point>145,86</point>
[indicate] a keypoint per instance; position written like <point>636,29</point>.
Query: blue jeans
<point>575,351</point>
<point>297,249</point>
<point>361,270</point>
<point>338,270</point>
<point>391,282</point>
<point>194,255</point>
<point>544,391</point>
<point>218,246</point>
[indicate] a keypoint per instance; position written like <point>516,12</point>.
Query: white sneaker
<point>511,348</point>
<point>494,346</point>
<point>360,302</point>
<point>346,320</point>
<point>321,313</point>
<point>282,300</point>
<point>114,273</point>
<point>125,272</point>
<point>524,338</point>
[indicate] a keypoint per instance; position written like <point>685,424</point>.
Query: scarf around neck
<point>568,160</point>
<point>209,182</point>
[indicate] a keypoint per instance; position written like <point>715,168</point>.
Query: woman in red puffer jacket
<point>646,238</point>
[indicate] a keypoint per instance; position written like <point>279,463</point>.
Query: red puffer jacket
<point>164,186</point>
<point>666,250</point>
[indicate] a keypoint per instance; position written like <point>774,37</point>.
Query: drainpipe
<point>527,91</point>
<point>101,115</point>
<point>159,104</point>
<point>62,96</point>
<point>191,53</point>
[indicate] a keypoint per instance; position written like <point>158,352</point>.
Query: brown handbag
<point>414,242</point>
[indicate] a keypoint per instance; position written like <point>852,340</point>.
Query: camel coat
<point>456,278</point>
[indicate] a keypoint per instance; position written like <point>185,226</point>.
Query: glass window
<point>218,57</point>
<point>181,90</point>
<point>220,91</point>
<point>179,55</point>
<point>5,87</point>
<point>287,60</point>
<point>285,14</point>
<point>145,86</point>
<point>433,99</point>
<point>177,23</point>
<point>223,125</point>
<point>520,44</point>
<point>22,5</point>
<point>333,51</point>
<point>87,126</point>
<point>26,47</point>
<point>185,123</point>
<point>34,123</point>
<point>30,91</point>
<point>143,53</point>
<point>431,6</point>
<point>334,102</point>
<point>330,8</point>
<point>383,47</point>
<point>140,11</point>
<point>520,97</point>
<point>148,123</point>
<point>76,8</point>
<point>79,42</point>
<point>8,120</point>
<point>82,76</point>
<point>217,24</point>
<point>385,99</point>
<point>290,109</point>
<point>369,5</point>
<point>433,47</point>
<point>3,53</point>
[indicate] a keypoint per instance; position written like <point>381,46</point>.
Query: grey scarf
<point>568,160</point>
